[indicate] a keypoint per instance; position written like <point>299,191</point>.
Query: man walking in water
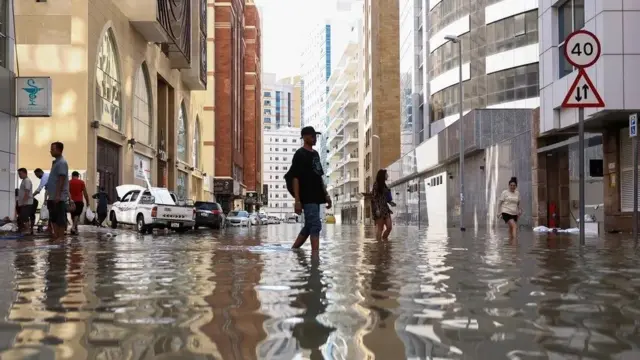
<point>304,182</point>
<point>58,191</point>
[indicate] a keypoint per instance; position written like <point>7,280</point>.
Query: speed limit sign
<point>582,49</point>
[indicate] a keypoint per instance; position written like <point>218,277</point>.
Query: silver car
<point>238,218</point>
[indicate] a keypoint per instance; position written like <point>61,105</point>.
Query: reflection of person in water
<point>310,333</point>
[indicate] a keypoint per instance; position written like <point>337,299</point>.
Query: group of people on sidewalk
<point>62,195</point>
<point>305,183</point>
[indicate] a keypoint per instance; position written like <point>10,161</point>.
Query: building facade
<point>343,138</point>
<point>128,90</point>
<point>316,70</point>
<point>608,160</point>
<point>499,40</point>
<point>279,147</point>
<point>379,90</point>
<point>237,78</point>
<point>8,122</point>
<point>281,101</point>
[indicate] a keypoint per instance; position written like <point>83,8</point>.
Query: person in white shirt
<point>509,207</point>
<point>44,177</point>
<point>25,200</point>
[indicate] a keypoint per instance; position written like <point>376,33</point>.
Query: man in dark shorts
<point>25,201</point>
<point>58,191</point>
<point>78,193</point>
<point>308,188</point>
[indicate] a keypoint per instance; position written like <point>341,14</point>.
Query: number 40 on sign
<point>582,49</point>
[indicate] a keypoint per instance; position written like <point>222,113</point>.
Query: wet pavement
<point>242,294</point>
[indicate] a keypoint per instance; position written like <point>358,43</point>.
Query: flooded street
<point>242,294</point>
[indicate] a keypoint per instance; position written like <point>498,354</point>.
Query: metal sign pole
<point>581,171</point>
<point>634,142</point>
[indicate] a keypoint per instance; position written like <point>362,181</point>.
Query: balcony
<point>167,22</point>
<point>195,77</point>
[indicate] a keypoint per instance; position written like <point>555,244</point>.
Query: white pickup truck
<point>150,208</point>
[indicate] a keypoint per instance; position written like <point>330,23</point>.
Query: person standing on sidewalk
<point>380,200</point>
<point>304,182</point>
<point>58,191</point>
<point>78,193</point>
<point>509,207</point>
<point>25,201</point>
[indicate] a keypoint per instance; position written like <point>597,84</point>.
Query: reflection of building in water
<point>51,293</point>
<point>236,326</point>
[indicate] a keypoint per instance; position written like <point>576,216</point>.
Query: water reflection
<point>242,294</point>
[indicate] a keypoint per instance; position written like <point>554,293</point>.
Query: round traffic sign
<point>582,49</point>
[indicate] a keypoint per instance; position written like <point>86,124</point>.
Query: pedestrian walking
<point>78,193</point>
<point>509,207</point>
<point>58,191</point>
<point>25,202</point>
<point>380,200</point>
<point>305,183</point>
<point>103,202</point>
<point>44,178</point>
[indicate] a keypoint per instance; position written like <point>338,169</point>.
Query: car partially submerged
<point>238,218</point>
<point>149,208</point>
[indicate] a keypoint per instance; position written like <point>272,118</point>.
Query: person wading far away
<point>103,203</point>
<point>304,182</point>
<point>58,191</point>
<point>77,191</point>
<point>25,201</point>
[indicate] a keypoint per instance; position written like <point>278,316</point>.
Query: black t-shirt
<point>306,166</point>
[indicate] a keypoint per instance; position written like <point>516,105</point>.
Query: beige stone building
<point>130,85</point>
<point>379,89</point>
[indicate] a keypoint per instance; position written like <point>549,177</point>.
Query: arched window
<point>195,147</point>
<point>108,97</point>
<point>182,134</point>
<point>142,119</point>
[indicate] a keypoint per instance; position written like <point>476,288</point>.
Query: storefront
<point>223,189</point>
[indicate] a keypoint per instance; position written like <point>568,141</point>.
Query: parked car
<point>264,220</point>
<point>150,208</point>
<point>274,220</point>
<point>238,218</point>
<point>254,219</point>
<point>292,218</point>
<point>209,214</point>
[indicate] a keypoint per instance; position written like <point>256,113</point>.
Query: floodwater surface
<point>243,294</point>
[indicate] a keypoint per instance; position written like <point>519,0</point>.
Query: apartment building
<point>343,137</point>
<point>238,104</point>
<point>279,147</point>
<point>281,102</point>
<point>128,90</point>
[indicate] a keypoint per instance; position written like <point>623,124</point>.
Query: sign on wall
<point>223,186</point>
<point>141,167</point>
<point>33,96</point>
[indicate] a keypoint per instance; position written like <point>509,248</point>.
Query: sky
<point>285,25</point>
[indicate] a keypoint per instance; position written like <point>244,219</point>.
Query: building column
<point>614,219</point>
<point>8,123</point>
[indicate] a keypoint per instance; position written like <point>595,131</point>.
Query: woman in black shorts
<point>509,207</point>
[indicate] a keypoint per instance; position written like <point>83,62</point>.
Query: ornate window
<point>108,95</point>
<point>182,134</point>
<point>195,146</point>
<point>142,119</point>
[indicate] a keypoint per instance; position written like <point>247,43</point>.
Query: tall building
<point>413,86</point>
<point>499,40</point>
<point>252,107</point>
<point>128,90</point>
<point>279,147</point>
<point>344,160</point>
<point>316,69</point>
<point>281,101</point>
<point>379,89</point>
<point>609,150</point>
<point>8,123</point>
<point>237,73</point>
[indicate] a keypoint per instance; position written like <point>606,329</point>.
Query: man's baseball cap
<point>308,130</point>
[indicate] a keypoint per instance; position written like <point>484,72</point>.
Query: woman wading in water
<point>509,207</point>
<point>380,200</point>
